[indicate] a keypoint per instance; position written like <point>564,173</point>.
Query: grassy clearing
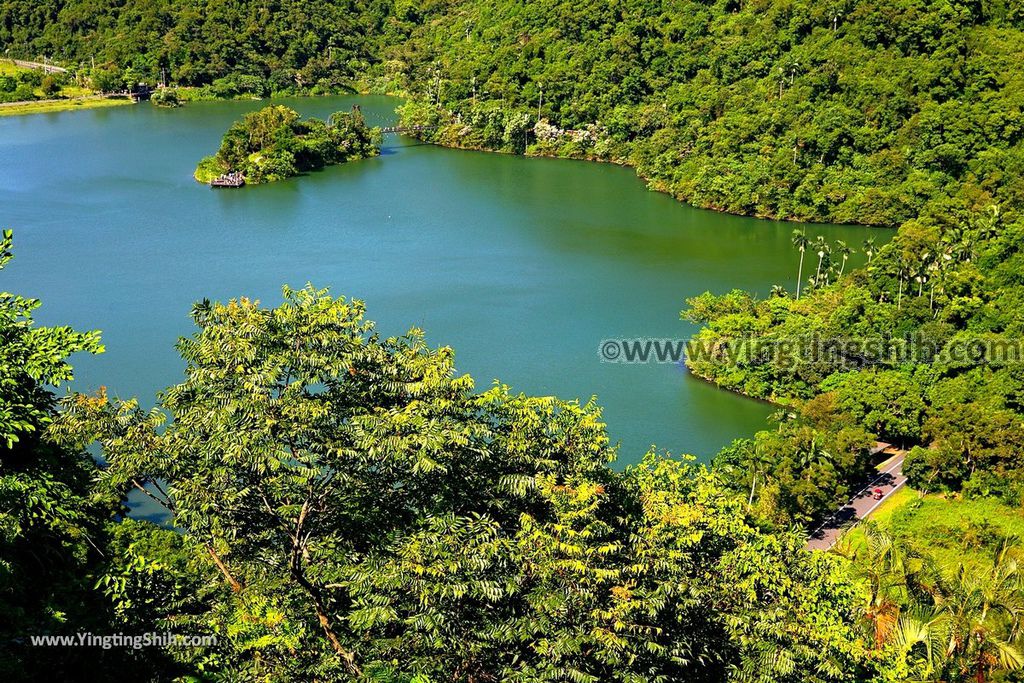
<point>882,515</point>
<point>953,530</point>
<point>966,531</point>
<point>70,92</point>
<point>38,107</point>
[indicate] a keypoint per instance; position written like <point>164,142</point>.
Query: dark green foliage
<point>803,470</point>
<point>166,97</point>
<point>921,347</point>
<point>351,508</point>
<point>854,111</point>
<point>286,46</point>
<point>13,91</point>
<point>50,86</point>
<point>273,144</point>
<point>106,80</point>
<point>863,111</point>
<point>53,527</point>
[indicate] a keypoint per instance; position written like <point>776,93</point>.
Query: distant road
<point>890,480</point>
<point>48,68</point>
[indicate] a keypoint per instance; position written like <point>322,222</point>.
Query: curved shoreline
<point>652,185</point>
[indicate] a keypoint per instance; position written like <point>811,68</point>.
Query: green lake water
<point>522,265</point>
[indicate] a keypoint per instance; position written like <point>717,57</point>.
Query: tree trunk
<point>235,585</point>
<point>324,620</point>
<point>800,274</point>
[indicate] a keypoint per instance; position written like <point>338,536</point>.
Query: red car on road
<point>877,494</point>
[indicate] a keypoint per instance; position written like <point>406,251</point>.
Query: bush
<point>50,86</point>
<point>32,78</point>
<point>166,97</point>
<point>209,168</point>
<point>106,80</point>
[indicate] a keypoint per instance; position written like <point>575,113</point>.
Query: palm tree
<point>899,275</point>
<point>985,610</point>
<point>882,564</point>
<point>759,465</point>
<point>812,454</point>
<point>822,248</point>
<point>922,626</point>
<point>800,242</point>
<point>934,267</point>
<point>987,226</point>
<point>845,251</point>
<point>947,624</point>
<point>782,416</point>
<point>778,291</point>
<point>892,574</point>
<point>869,247</point>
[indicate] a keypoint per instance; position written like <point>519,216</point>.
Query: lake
<point>522,265</point>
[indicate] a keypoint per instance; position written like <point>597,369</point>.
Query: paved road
<point>890,480</point>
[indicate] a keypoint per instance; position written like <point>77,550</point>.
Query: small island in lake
<point>276,143</point>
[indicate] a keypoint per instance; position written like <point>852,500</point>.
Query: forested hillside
<point>861,112</point>
<point>250,47</point>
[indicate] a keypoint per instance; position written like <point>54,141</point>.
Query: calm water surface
<point>522,265</point>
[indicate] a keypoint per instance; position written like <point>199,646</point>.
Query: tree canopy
<point>275,143</point>
<point>369,509</point>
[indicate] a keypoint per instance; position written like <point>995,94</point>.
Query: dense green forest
<point>866,112</point>
<point>276,143</point>
<point>922,347</point>
<point>234,46</point>
<point>349,507</point>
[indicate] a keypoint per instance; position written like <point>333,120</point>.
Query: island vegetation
<point>275,143</point>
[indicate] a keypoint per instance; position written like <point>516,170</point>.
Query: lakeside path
<point>890,480</point>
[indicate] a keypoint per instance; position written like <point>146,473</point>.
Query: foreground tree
<point>372,517</point>
<point>48,525</point>
<point>936,620</point>
<point>54,528</point>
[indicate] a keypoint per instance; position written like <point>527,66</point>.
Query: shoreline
<point>744,394</point>
<point>652,185</point>
<point>27,107</point>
